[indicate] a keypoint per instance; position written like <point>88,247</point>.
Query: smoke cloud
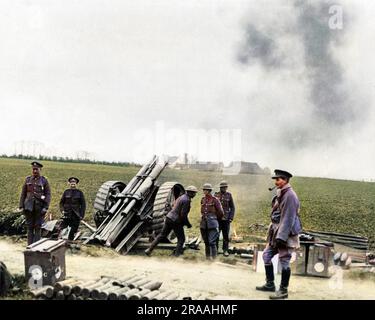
<point>303,47</point>
<point>260,47</point>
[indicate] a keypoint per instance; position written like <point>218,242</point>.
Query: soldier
<point>73,207</point>
<point>211,212</point>
<point>175,220</point>
<point>34,201</point>
<point>283,234</point>
<point>227,203</point>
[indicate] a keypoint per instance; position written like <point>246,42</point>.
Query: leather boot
<point>179,249</point>
<point>269,286</point>
<point>37,234</point>
<point>30,236</point>
<point>152,247</point>
<point>225,248</point>
<point>213,251</point>
<point>282,293</point>
<point>225,245</point>
<point>207,249</point>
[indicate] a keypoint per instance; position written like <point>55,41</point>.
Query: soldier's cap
<point>73,178</point>
<point>36,164</point>
<point>207,186</point>
<point>191,189</point>
<point>223,184</point>
<point>282,174</point>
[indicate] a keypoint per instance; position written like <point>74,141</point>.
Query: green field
<point>326,204</point>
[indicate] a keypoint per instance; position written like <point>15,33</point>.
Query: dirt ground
<point>211,279</point>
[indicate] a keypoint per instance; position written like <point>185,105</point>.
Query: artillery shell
<point>67,288</point>
<point>150,295</point>
<point>78,287</point>
<point>172,296</point>
<point>162,295</point>
<point>155,285</point>
<point>139,294</point>
<point>59,296</point>
<point>59,285</point>
<point>141,283</point>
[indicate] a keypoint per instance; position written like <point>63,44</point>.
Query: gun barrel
<point>117,209</point>
<point>138,196</point>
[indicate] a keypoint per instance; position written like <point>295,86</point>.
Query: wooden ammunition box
<point>319,260</point>
<point>298,263</point>
<point>45,263</point>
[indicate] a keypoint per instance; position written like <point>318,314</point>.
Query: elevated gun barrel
<point>127,214</point>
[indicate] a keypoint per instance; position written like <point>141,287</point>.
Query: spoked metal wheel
<point>164,201</point>
<point>105,199</point>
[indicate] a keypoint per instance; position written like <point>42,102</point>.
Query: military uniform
<point>227,203</point>
<point>285,226</point>
<point>211,213</point>
<point>283,235</point>
<point>73,207</point>
<point>35,200</point>
<point>175,220</point>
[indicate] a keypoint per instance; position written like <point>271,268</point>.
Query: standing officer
<point>34,201</point>
<point>212,212</point>
<point>282,235</point>
<point>227,203</point>
<point>73,207</point>
<point>175,220</point>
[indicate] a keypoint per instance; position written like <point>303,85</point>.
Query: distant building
<point>184,162</point>
<point>172,161</point>
<point>178,162</point>
<point>207,166</point>
<point>247,168</point>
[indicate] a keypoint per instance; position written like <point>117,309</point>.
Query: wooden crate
<point>320,258</point>
<point>298,263</point>
<point>45,263</point>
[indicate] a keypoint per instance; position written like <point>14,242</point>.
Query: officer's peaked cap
<point>282,174</point>
<point>36,164</point>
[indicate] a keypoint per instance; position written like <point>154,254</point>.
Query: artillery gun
<point>126,212</point>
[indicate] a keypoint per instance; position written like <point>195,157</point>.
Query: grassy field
<point>326,204</point>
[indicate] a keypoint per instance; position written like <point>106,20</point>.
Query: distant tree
<point>67,159</point>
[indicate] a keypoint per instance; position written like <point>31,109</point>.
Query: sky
<point>263,81</point>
